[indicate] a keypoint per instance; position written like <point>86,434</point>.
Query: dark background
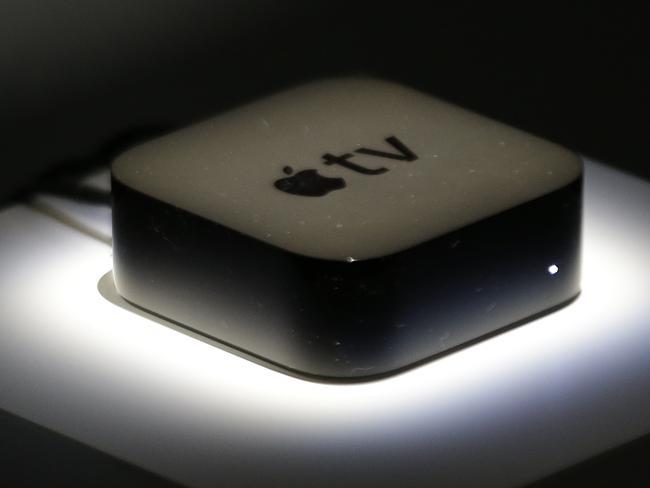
<point>79,79</point>
<point>77,74</point>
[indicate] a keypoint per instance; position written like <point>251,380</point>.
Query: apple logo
<point>308,183</point>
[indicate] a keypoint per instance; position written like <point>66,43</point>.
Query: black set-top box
<point>347,228</point>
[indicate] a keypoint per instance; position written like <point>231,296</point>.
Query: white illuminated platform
<point>505,411</point>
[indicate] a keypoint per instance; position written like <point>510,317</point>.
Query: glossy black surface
<point>340,320</point>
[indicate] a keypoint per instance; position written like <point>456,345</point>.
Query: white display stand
<point>508,410</point>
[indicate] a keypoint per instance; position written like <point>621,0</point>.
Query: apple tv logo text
<point>309,183</point>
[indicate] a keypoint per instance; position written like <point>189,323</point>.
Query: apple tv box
<point>347,229</point>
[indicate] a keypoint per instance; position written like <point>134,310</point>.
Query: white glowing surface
<point>502,412</point>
